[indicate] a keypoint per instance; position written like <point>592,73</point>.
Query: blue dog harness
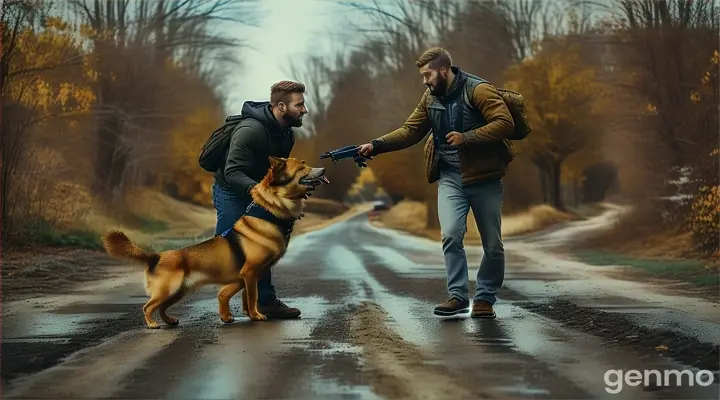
<point>255,210</point>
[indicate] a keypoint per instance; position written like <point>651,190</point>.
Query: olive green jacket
<point>485,152</point>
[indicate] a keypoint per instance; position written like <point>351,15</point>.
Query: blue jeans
<point>454,202</point>
<point>230,207</point>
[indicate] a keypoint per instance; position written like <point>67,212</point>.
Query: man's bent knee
<point>494,252</point>
<point>452,237</point>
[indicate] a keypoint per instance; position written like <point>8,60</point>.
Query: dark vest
<point>455,112</point>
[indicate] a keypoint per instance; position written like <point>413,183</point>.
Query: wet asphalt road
<point>366,331</point>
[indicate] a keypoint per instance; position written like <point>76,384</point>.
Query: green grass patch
<point>146,224</point>
<point>45,234</point>
<point>692,271</point>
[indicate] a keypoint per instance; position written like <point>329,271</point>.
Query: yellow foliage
<point>365,180</point>
<point>34,79</point>
<point>705,218</point>
<point>401,174</point>
<point>695,97</point>
<point>562,97</point>
<point>366,176</point>
<point>186,139</point>
<point>706,78</point>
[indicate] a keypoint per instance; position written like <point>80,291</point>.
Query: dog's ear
<point>276,163</point>
<point>278,171</point>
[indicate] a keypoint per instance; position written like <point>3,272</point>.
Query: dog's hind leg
<point>158,298</point>
<point>169,303</point>
<point>224,296</point>
<point>176,290</point>
<point>245,302</point>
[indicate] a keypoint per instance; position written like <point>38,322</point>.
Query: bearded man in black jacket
<point>266,131</point>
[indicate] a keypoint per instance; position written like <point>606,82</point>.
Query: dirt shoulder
<point>702,277</point>
<point>616,328</point>
<point>40,270</point>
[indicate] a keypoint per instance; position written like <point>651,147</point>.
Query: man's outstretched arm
<point>499,122</point>
<point>413,131</point>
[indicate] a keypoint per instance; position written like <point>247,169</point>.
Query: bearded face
<point>435,79</point>
<point>294,110</point>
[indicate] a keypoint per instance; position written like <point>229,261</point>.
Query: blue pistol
<point>346,152</point>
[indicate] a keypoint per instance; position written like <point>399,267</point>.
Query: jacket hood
<point>260,110</point>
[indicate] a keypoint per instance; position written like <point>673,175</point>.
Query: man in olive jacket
<point>468,152</point>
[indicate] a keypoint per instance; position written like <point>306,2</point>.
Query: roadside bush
<point>705,218</point>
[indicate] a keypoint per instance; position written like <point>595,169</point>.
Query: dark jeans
<point>230,207</point>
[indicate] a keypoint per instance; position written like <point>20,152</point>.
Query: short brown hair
<point>280,91</point>
<point>437,57</point>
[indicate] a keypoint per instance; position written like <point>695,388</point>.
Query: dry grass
<point>643,233</point>
<point>65,213</point>
<point>667,245</point>
<point>410,216</point>
<point>534,219</point>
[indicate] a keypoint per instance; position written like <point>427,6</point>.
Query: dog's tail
<point>118,245</point>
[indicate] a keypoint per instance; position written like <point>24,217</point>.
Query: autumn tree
<point>115,92</point>
<point>665,55</point>
<point>41,74</point>
<point>140,50</point>
<point>562,100</point>
<point>668,48</point>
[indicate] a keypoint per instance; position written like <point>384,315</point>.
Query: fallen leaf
<point>661,347</point>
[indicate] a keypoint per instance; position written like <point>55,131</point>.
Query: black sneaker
<point>452,307</point>
<point>279,310</point>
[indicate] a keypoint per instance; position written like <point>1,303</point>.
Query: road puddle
<point>45,325</point>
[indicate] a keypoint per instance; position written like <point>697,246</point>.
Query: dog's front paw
<point>172,321</point>
<point>258,317</point>
<point>227,319</point>
<point>153,325</point>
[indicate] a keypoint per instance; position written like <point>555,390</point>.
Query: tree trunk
<point>111,157</point>
<point>543,177</point>
<point>432,221</point>
<point>555,192</point>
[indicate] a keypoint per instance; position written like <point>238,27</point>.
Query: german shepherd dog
<point>261,242</point>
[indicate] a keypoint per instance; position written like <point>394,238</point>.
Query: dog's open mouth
<point>315,177</point>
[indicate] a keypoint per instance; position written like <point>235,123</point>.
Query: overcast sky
<point>288,29</point>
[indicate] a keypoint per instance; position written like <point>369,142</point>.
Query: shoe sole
<point>483,316</point>
<point>281,316</point>
<point>451,313</point>
<point>290,316</point>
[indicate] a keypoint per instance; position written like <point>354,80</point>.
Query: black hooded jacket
<point>254,140</point>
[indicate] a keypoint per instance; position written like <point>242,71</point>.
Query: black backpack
<point>213,153</point>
